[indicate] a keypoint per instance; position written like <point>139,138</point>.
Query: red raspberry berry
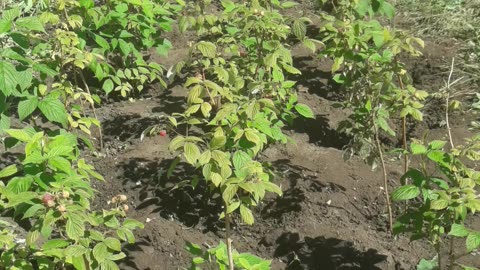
<point>48,200</point>
<point>163,133</point>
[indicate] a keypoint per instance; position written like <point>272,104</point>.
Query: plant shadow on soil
<point>324,253</point>
<point>166,195</point>
<point>320,132</point>
<point>317,78</point>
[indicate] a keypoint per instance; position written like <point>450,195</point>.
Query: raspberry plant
<point>241,99</point>
<point>50,189</point>
<point>377,86</point>
<point>442,193</point>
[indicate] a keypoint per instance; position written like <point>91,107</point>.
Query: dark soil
<point>332,214</point>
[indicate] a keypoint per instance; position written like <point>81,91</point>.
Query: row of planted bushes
<point>59,58</point>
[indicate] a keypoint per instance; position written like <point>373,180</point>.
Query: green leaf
<point>193,249</point>
<point>75,251</point>
<point>207,49</point>
<point>109,265</point>
<point>53,110</point>
<point>406,192</point>
<point>205,157</point>
<point>458,230</point>
<point>439,204</point>
<point>191,152</point>
<point>30,23</point>
<point>19,134</point>
<point>240,159</point>
<point>337,63</point>
<point>304,110</point>
<point>100,252</point>
<point>24,79</point>
<point>229,192</point>
<point>388,9</point>
<point>132,224</point>
<point>108,86</point>
<point>27,107</point>
<point>113,243</point>
<point>8,79</point>
<point>101,42</point>
<point>428,265</point>
<point>418,149</point>
<point>5,25</point>
<point>299,29</point>
<point>75,227</point>
<point>271,187</point>
<point>4,123</point>
<point>473,241</point>
<point>218,142</point>
<point>20,184</point>
<point>55,243</point>
<point>124,47</point>
<point>289,4</point>
<point>45,69</point>
<point>8,171</point>
<point>87,3</point>
<point>246,215</point>
<point>436,145</point>
<point>126,235</point>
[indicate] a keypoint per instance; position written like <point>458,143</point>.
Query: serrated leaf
<point>100,252</point>
<point>218,142</point>
<point>246,215</point>
<point>19,134</point>
<point>207,49</point>
<point>4,123</point>
<point>113,243</point>
<point>45,69</point>
<point>418,149</point>
<point>436,144</point>
<point>108,86</point>
<point>439,204</point>
<point>27,107</point>
<point>55,243</point>
<point>54,110</point>
<point>132,224</point>
<point>206,108</point>
<point>289,4</point>
<point>240,159</point>
<point>191,152</point>
<point>473,241</point>
<point>75,251</point>
<point>8,79</point>
<point>8,171</point>
<point>229,193</point>
<point>205,157</point>
<point>30,23</point>
<point>406,192</point>
<point>75,227</point>
<point>299,29</point>
<point>458,230</point>
<point>271,187</point>
<point>304,110</point>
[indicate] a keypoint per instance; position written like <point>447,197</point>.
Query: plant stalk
<point>385,178</point>
<point>100,133</point>
<point>228,240</point>
<point>439,255</point>
<point>447,105</point>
